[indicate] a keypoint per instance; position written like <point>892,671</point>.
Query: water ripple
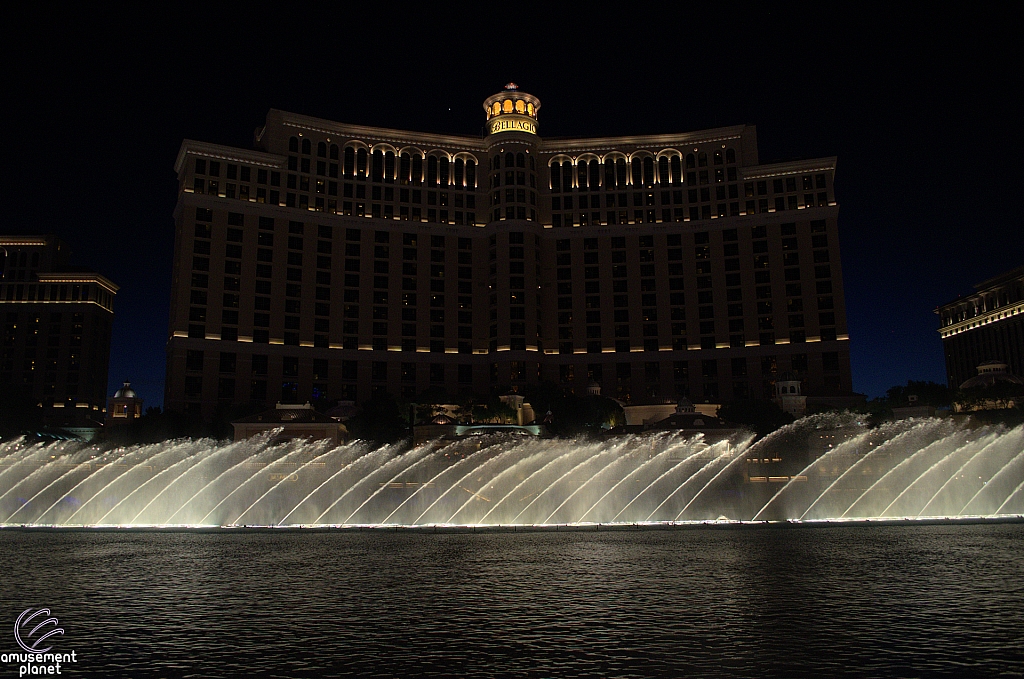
<point>880,601</point>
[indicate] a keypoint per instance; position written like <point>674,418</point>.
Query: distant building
<point>646,414</point>
<point>523,409</point>
<point>689,420</point>
<point>337,262</point>
<point>55,323</point>
<point>913,409</point>
<point>985,326</point>
<point>788,396</point>
<point>124,407</point>
<point>993,388</point>
<point>294,421</point>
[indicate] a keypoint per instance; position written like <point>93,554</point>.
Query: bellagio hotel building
<point>336,262</point>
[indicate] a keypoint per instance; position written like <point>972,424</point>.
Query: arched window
<point>691,161</point>
<point>321,149</point>
<point>510,160</point>
<point>417,170</point>
<point>595,175</point>
<point>620,173</point>
<point>520,160</point>
<point>432,171</point>
<point>404,168</point>
<point>293,144</point>
<point>730,155</point>
<point>609,174</point>
<point>350,161</point>
<point>718,157</point>
<point>334,151</point>
<point>496,163</point>
<point>506,106</point>
<point>567,176</point>
<point>637,172</point>
<point>677,171</point>
<point>459,172</point>
<point>520,106</point>
<point>581,175</point>
<point>663,170</point>
<point>648,171</point>
<point>377,169</point>
<point>306,146</point>
<point>556,178</point>
<point>389,167</point>
<point>471,174</point>
<point>496,108</point>
<point>443,174</point>
<point>361,163</point>
<point>702,159</point>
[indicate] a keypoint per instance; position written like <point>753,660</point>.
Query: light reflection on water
<point>740,602</point>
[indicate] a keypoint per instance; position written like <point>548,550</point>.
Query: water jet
<point>924,468</point>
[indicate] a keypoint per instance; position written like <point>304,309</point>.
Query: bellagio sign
<point>508,123</point>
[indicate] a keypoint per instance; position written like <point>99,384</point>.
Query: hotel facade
<point>987,325</point>
<point>336,262</point>
<point>56,327</point>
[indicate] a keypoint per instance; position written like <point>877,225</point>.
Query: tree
<point>499,412</point>
<point>380,419</point>
<point>18,412</point>
<point>575,415</point>
<point>429,403</point>
<point>999,396</point>
<point>763,415</point>
<point>927,393</point>
<point>542,395</point>
<point>225,414</point>
<point>156,425</point>
<point>878,410</point>
<point>464,411</point>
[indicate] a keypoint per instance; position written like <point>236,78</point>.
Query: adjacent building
<point>334,262</point>
<point>986,326</point>
<point>56,323</point>
<point>291,421</point>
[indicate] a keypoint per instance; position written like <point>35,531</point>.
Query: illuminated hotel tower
<point>338,261</point>
<point>55,324</point>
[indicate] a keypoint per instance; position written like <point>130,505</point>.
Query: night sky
<point>922,110</point>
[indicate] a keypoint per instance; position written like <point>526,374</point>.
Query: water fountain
<point>909,469</point>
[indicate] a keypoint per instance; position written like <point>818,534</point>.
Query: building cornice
<point>24,241</point>
<point>983,289</point>
<point>791,167</point>
<point>649,141</point>
<point>554,145</point>
<point>987,318</point>
<point>379,134</point>
<point>79,277</point>
<point>227,153</point>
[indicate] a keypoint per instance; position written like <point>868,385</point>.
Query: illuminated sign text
<point>510,124</point>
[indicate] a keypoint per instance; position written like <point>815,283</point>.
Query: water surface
<point>880,601</point>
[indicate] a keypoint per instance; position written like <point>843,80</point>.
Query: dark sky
<point>921,109</point>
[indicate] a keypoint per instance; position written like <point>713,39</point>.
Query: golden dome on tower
<point>512,110</point>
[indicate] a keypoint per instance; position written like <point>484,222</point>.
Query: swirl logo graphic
<point>22,623</point>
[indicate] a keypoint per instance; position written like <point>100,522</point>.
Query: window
<point>194,360</point>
